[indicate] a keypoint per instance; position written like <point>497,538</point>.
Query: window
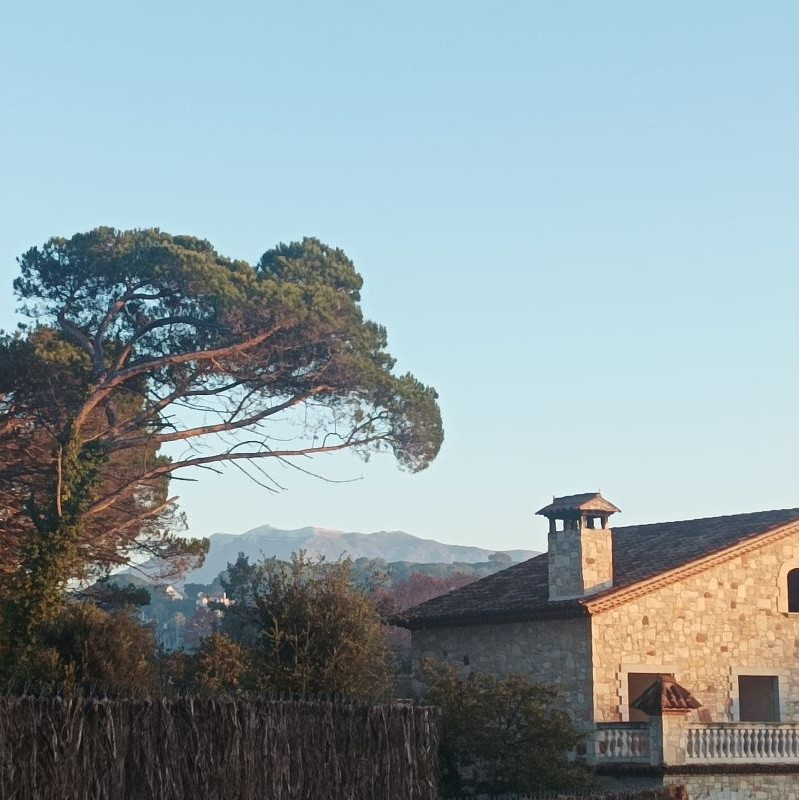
<point>792,590</point>
<point>758,698</point>
<point>638,683</point>
<point>787,587</point>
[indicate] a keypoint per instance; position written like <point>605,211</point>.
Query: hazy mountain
<point>266,541</point>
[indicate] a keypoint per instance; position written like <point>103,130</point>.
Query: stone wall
<point>596,559</point>
<point>564,563</point>
<point>579,560</point>
<point>737,787</point>
<point>706,629</point>
<point>555,652</point>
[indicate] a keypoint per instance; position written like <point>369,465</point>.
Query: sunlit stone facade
<point>719,623</point>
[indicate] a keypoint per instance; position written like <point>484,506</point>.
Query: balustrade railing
<point>742,741</point>
<point>623,742</point>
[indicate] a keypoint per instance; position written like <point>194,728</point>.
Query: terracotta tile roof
<point>665,695</point>
<point>639,552</point>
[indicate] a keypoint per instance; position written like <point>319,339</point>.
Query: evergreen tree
<point>129,330</point>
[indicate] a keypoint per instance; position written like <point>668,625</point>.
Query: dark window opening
<point>466,661</point>
<point>758,698</point>
<point>792,587</point>
<point>638,683</point>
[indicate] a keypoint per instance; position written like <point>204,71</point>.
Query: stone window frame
<point>622,682</point>
<point>783,676</point>
<point>783,585</point>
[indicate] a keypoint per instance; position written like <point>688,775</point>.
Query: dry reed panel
<point>194,748</point>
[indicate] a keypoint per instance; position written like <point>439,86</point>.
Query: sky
<point>577,220</point>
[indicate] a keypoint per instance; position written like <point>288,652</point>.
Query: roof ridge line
<point>704,519</point>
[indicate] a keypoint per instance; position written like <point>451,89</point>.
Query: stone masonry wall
<point>579,561</point>
<point>564,564</point>
<point>555,652</point>
<point>706,629</point>
<point>596,557</point>
<point>737,787</point>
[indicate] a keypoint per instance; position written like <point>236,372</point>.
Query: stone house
<point>674,644</point>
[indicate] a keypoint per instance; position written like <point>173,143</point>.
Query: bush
<point>502,735</point>
<point>220,665</point>
<point>308,627</point>
<point>85,648</point>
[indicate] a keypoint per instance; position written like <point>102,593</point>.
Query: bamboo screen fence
<point>192,748</point>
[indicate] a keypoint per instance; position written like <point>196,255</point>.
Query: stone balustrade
<point>748,742</point>
<point>622,742</point>
<point>697,743</point>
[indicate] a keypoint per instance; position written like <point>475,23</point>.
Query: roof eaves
<point>559,610</point>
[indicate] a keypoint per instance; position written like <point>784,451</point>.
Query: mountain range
<point>267,541</point>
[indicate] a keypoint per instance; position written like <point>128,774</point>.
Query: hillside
<point>391,546</point>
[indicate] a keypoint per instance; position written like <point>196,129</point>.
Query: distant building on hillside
<point>172,593</point>
<point>204,600</point>
<point>675,644</point>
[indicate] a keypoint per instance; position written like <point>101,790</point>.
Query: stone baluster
<point>690,744</point>
<point>723,743</point>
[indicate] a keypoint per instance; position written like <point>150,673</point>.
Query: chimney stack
<point>579,547</point>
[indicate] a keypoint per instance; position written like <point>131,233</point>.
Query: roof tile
<point>639,552</point>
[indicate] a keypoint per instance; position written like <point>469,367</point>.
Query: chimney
<point>579,549</point>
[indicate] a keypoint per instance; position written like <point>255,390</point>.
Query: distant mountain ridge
<point>267,541</point>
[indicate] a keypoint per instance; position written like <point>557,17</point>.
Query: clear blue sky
<point>578,220</point>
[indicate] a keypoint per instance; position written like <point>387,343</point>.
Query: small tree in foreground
<point>85,648</point>
<point>220,665</point>
<point>308,626</point>
<point>502,735</point>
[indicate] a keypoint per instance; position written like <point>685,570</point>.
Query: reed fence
<point>195,748</point>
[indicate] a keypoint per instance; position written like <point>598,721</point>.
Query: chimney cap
<point>576,503</point>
